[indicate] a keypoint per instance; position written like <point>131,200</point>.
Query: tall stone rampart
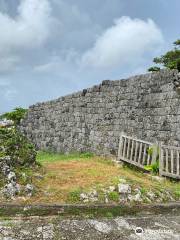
<point>145,106</point>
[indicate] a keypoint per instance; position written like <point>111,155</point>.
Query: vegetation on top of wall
<point>154,69</point>
<point>170,59</point>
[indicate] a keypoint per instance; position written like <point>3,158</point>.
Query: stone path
<point>157,227</point>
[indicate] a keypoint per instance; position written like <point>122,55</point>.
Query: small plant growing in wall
<point>154,69</point>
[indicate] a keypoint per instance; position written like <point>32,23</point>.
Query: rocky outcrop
<point>11,188</point>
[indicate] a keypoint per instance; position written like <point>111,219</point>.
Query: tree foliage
<point>154,69</point>
<point>15,145</point>
<point>170,60</point>
<point>16,115</point>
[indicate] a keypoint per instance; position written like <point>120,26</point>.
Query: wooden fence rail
<point>169,161</point>
<point>142,153</point>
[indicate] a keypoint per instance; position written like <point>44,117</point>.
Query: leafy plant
<point>177,194</point>
<point>150,151</point>
<point>109,215</point>
<point>113,196</point>
<point>74,196</point>
<point>15,145</point>
<point>154,69</point>
<point>86,155</point>
<point>154,168</point>
<point>170,60</point>
<point>16,115</point>
<point>143,191</point>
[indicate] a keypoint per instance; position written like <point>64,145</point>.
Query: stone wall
<point>145,106</point>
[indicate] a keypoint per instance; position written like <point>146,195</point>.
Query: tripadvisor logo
<point>139,231</point>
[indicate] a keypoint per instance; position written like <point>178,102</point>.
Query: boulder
<point>93,196</point>
<point>112,188</point>
<point>11,176</point>
<point>11,189</point>
<point>83,196</point>
<point>158,179</point>
<point>29,188</point>
<point>135,198</point>
<point>151,195</point>
<point>124,188</point>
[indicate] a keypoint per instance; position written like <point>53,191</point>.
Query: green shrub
<point>154,69</point>
<point>170,59</point>
<point>178,65</point>
<point>150,151</point>
<point>177,194</point>
<point>86,155</point>
<point>16,115</point>
<point>113,196</point>
<point>74,196</point>
<point>109,215</point>
<point>154,168</point>
<point>15,145</point>
<point>143,191</point>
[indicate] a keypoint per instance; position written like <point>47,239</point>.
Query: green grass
<point>65,176</point>
<point>49,157</point>
<point>113,196</point>
<point>74,196</point>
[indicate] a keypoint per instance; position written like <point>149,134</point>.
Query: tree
<point>16,115</point>
<point>170,60</point>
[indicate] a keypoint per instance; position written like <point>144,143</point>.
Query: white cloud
<point>58,63</point>
<point>29,29</point>
<point>125,43</point>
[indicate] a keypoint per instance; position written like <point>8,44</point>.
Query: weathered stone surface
<point>135,198</point>
<point>158,179</point>
<point>151,195</point>
<point>29,188</point>
<point>11,176</point>
<point>89,197</point>
<point>155,227</point>
<point>124,188</point>
<point>145,106</point>
<point>112,188</point>
<point>11,189</point>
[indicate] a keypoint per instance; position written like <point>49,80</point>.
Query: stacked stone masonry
<point>145,106</point>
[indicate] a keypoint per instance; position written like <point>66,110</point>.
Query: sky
<point>50,48</point>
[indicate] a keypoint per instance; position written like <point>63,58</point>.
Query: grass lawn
<point>66,176</point>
